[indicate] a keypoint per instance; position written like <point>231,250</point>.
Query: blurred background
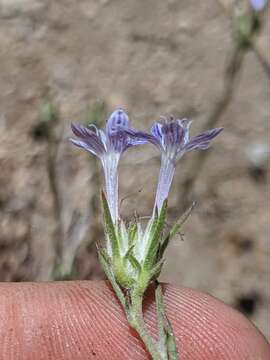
<point>64,61</point>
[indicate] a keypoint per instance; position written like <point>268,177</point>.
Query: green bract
<point>134,255</point>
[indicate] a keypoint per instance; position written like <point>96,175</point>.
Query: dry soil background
<point>153,58</point>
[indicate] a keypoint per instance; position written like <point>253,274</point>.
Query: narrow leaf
<point>109,226</point>
<point>135,263</point>
<point>155,236</point>
<point>132,233</point>
<point>155,271</point>
<point>104,261</point>
<point>131,258</point>
<point>160,317</point>
<point>129,252</point>
<point>167,341</point>
<point>175,229</point>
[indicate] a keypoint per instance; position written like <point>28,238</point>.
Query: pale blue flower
<point>171,137</point>
<point>258,5</point>
<point>108,144</point>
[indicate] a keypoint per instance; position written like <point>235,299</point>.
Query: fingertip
<point>206,328</point>
<point>84,320</point>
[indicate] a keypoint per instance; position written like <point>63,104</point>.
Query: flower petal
<point>202,141</point>
<point>87,139</point>
<point>172,135</point>
<point>83,145</point>
<point>185,123</point>
<point>118,141</point>
<point>156,130</point>
<point>118,120</point>
<point>139,137</point>
<point>81,131</point>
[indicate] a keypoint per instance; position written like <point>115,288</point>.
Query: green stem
<point>136,321</point>
<point>165,348</point>
<point>167,339</point>
<point>261,57</point>
<point>231,74</point>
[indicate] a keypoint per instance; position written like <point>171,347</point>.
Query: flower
<point>258,5</point>
<point>107,144</point>
<point>171,137</point>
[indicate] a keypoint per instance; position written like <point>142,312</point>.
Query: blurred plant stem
<point>252,41</point>
<point>231,74</point>
<point>67,239</point>
<point>50,117</point>
<point>259,52</point>
<point>245,26</point>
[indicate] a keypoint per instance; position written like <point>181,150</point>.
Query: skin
<point>83,320</point>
